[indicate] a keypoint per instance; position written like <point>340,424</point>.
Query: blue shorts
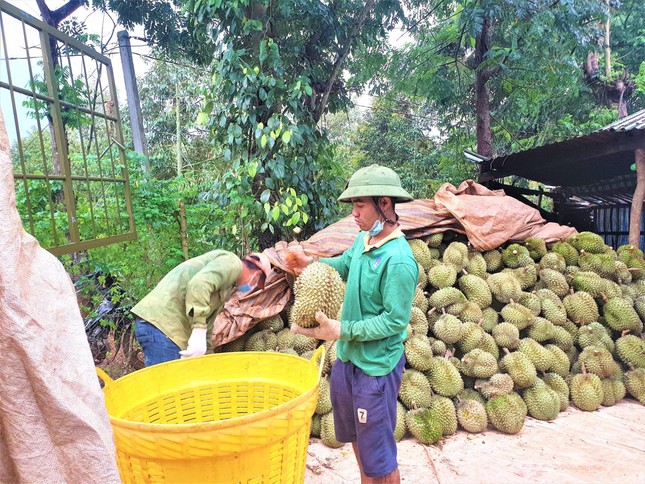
<point>365,412</point>
<point>156,346</point>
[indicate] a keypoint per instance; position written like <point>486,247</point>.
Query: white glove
<point>196,344</point>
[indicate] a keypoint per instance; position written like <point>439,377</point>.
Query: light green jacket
<point>191,295</point>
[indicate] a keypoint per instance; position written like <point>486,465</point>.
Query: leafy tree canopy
<point>532,63</point>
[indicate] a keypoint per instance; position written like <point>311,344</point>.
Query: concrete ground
<point>606,446</point>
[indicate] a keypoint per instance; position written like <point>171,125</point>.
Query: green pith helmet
<point>375,181</point>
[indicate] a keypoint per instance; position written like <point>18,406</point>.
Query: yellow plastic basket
<point>228,417</point>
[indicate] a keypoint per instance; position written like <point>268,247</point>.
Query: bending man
<point>175,319</point>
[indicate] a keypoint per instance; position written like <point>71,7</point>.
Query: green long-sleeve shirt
<point>191,295</point>
<point>381,281</point>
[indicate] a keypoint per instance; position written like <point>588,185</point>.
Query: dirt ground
<point>606,446</point>
<point>116,364</point>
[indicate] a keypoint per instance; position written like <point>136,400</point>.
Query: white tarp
<point>54,426</point>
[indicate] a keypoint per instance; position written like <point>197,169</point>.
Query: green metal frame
<point>99,178</point>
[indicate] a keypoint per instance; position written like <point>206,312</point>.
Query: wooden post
<point>637,199</point>
<point>132,93</point>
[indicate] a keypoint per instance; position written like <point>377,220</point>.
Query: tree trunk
<point>607,45</point>
<point>54,18</point>
<point>622,102</point>
<point>182,230</point>
<point>338,65</point>
<point>637,199</point>
<point>482,94</point>
<point>178,125</point>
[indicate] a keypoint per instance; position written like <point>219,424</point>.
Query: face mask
<point>376,228</point>
<point>244,288</point>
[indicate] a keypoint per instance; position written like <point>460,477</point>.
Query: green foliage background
<point>237,94</point>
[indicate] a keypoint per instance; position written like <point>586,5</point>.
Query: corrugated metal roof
<point>633,121</point>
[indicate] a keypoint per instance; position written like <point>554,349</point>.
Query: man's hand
<point>296,260</point>
<point>196,344</point>
<point>329,329</point>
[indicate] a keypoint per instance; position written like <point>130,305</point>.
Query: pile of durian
<point>495,336</point>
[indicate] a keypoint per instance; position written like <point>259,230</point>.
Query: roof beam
<point>579,151</point>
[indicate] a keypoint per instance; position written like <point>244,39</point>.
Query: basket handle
<point>319,353</point>
<point>107,381</point>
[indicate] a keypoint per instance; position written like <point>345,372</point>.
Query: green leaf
<point>202,118</point>
<point>263,51</point>
<point>253,169</point>
<point>263,141</point>
<point>275,213</point>
<point>264,197</point>
<point>286,136</point>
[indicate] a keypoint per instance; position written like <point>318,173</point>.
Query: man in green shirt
<point>381,276</point>
<point>175,319</point>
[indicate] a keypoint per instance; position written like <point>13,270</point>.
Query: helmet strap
<point>380,212</point>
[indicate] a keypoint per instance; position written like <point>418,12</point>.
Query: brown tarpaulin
<point>54,426</point>
<point>489,218</point>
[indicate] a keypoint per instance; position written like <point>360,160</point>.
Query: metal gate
<point>60,106</point>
